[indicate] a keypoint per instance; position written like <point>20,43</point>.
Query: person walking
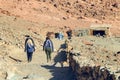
<point>69,34</point>
<point>60,36</point>
<point>29,48</point>
<point>48,48</point>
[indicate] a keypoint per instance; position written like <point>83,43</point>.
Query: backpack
<point>47,44</point>
<point>30,48</point>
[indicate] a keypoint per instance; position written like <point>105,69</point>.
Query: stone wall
<point>85,69</point>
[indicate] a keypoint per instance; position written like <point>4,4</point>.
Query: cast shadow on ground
<point>61,56</point>
<point>59,73</point>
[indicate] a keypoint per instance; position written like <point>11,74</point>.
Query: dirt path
<point>39,69</point>
<point>46,70</point>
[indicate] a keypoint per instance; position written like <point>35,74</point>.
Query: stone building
<point>100,30</point>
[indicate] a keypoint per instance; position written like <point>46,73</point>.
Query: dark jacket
<point>69,33</point>
<point>48,44</point>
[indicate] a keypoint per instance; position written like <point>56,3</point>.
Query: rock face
<point>85,69</point>
<point>95,61</point>
<point>72,13</point>
<point>92,8</point>
<point>73,8</point>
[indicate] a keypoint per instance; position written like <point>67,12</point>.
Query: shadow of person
<point>61,57</point>
<point>59,73</point>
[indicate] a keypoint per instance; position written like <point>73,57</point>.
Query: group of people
<point>30,48</point>
<point>60,35</point>
<point>47,46</point>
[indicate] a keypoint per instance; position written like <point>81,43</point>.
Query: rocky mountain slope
<point>60,13</point>
<point>35,17</point>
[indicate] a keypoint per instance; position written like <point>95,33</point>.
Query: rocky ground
<point>70,13</point>
<point>99,51</point>
<point>13,62</point>
<point>103,51</point>
<point>36,17</point>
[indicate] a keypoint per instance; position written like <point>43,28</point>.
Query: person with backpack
<point>48,48</point>
<point>29,48</point>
